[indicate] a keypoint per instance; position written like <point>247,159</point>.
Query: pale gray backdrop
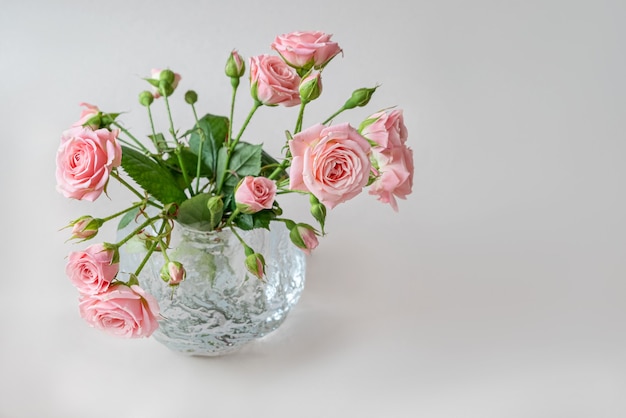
<point>496,291</point>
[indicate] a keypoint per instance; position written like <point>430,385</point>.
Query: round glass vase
<point>220,306</point>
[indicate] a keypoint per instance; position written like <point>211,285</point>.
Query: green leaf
<point>195,213</point>
<point>155,179</point>
<point>211,131</point>
<point>221,165</point>
<point>127,218</point>
<point>244,161</point>
<point>259,219</point>
<point>159,142</point>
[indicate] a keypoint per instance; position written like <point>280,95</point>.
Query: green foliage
<point>245,160</point>
<point>259,219</point>
<point>211,131</point>
<point>127,218</point>
<point>154,178</point>
<point>195,213</point>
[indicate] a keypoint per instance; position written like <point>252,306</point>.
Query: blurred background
<point>497,290</point>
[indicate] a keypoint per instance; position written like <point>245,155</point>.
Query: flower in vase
<point>391,156</point>
<point>306,50</point>
<point>92,270</point>
<point>124,311</point>
<point>273,82</point>
<point>85,159</point>
<point>254,194</point>
<point>331,162</point>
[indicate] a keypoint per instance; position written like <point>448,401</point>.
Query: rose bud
<point>318,210</point>
<point>235,66</point>
<point>310,87</point>
<point>304,237</point>
<point>146,98</point>
<point>164,82</point>
<point>191,97</point>
<point>255,263</point>
<point>360,97</point>
<point>85,227</point>
<point>173,273</point>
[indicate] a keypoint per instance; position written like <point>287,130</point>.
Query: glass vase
<point>220,306</point>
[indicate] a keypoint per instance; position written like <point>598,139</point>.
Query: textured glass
<point>220,306</point>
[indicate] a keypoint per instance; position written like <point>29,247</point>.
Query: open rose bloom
<point>85,159</point>
<point>331,162</point>
<point>306,50</point>
<point>273,82</point>
<point>122,311</point>
<point>255,193</point>
<point>393,158</point>
<point>92,270</point>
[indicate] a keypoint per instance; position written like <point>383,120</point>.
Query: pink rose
<point>254,194</point>
<point>85,159</point>
<point>121,311</point>
<point>393,158</point>
<point>92,270</point>
<point>87,113</point>
<point>396,175</point>
<point>330,162</point>
<point>304,50</point>
<point>387,129</point>
<point>273,82</point>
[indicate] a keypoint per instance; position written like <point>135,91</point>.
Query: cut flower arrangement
<point>210,179</point>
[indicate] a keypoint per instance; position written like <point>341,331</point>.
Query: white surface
<point>496,291</point>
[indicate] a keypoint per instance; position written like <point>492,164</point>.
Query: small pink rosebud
<point>304,237</point>
<point>235,65</point>
<point>173,273</point>
<point>85,227</point>
<point>255,263</point>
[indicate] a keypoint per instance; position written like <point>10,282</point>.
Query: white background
<point>496,291</point>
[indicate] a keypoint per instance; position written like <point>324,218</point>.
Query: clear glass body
<point>220,306</point>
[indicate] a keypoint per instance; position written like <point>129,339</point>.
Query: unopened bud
<point>173,273</point>
<point>191,97</point>
<point>255,263</point>
<point>235,66</point>
<point>85,227</point>
<point>318,210</point>
<point>304,237</point>
<point>164,82</point>
<point>146,98</point>
<point>310,87</point>
<point>360,97</point>
<point>167,76</point>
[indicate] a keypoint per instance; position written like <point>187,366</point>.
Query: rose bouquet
<point>209,178</point>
